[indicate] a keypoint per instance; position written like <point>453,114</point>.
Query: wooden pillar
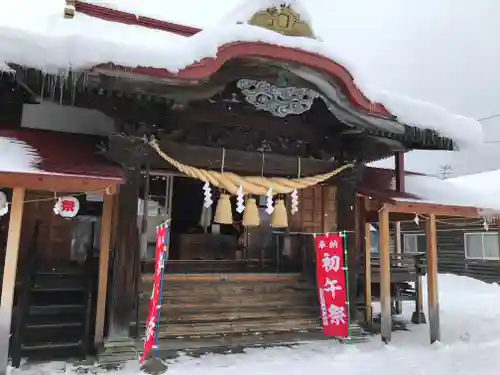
<point>497,223</point>
<point>432,278</point>
<point>104,246</point>
<point>9,274</point>
<point>125,254</point>
<point>400,171</point>
<point>399,251</point>
<point>346,221</point>
<point>385,276</point>
<point>368,273</point>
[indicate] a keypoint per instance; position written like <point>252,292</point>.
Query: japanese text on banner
<point>332,291</point>
<point>152,322</point>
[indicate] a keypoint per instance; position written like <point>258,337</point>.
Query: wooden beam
<point>432,278</point>
<point>429,208</point>
<point>58,183</point>
<point>242,162</point>
<point>9,274</point>
<point>399,209</point>
<point>104,248</point>
<point>368,274</point>
<point>385,276</point>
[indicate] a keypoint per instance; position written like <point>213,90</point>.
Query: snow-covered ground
<point>470,325</point>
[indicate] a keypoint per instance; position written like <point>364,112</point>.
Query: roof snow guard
<point>97,37</point>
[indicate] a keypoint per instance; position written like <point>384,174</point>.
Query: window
<point>481,246</point>
<point>414,243</point>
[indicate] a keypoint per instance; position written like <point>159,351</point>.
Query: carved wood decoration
<point>283,20</point>
<point>279,101</point>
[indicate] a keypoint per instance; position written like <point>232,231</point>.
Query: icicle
<point>61,89</point>
<point>85,81</point>
<point>73,87</point>
<point>240,203</point>
<point>53,84</point>
<point>416,220</point>
<point>43,87</point>
<point>4,205</point>
<point>269,202</point>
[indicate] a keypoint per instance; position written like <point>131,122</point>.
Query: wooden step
<point>233,290</point>
<point>41,289</point>
<point>56,309</point>
<point>35,334</point>
<point>51,346</point>
<point>233,316</point>
<point>239,327</point>
<point>238,298</point>
<point>48,319</point>
<point>55,325</point>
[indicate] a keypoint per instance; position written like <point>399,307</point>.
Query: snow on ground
<point>41,38</point>
<point>17,156</point>
<point>470,326</point>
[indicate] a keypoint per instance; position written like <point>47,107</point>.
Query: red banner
<point>332,290</point>
<point>152,322</point>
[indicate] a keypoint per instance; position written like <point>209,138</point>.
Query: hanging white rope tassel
<point>295,202</point>
<point>207,201</point>
<point>240,202</point>
<point>269,202</point>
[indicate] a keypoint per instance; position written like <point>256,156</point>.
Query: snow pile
<point>470,327</point>
<point>17,156</point>
<point>4,68</point>
<point>484,183</point>
<point>41,38</point>
<point>446,192</point>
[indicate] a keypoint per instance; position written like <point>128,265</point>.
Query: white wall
<point>51,116</point>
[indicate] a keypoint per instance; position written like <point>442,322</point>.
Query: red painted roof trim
<point>208,66</point>
<point>113,15</point>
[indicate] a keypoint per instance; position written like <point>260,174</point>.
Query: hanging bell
<point>279,218</point>
<point>223,211</point>
<point>251,217</point>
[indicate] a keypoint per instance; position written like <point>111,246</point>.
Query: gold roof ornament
<point>283,20</point>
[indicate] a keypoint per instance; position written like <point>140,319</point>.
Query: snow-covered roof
<point>476,159</point>
<point>34,33</point>
<point>423,189</point>
<point>17,156</point>
<point>50,153</point>
<point>485,183</point>
<point>450,192</point>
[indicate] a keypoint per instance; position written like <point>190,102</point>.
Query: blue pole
<point>165,258</point>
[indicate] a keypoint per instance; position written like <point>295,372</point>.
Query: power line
<point>489,117</point>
